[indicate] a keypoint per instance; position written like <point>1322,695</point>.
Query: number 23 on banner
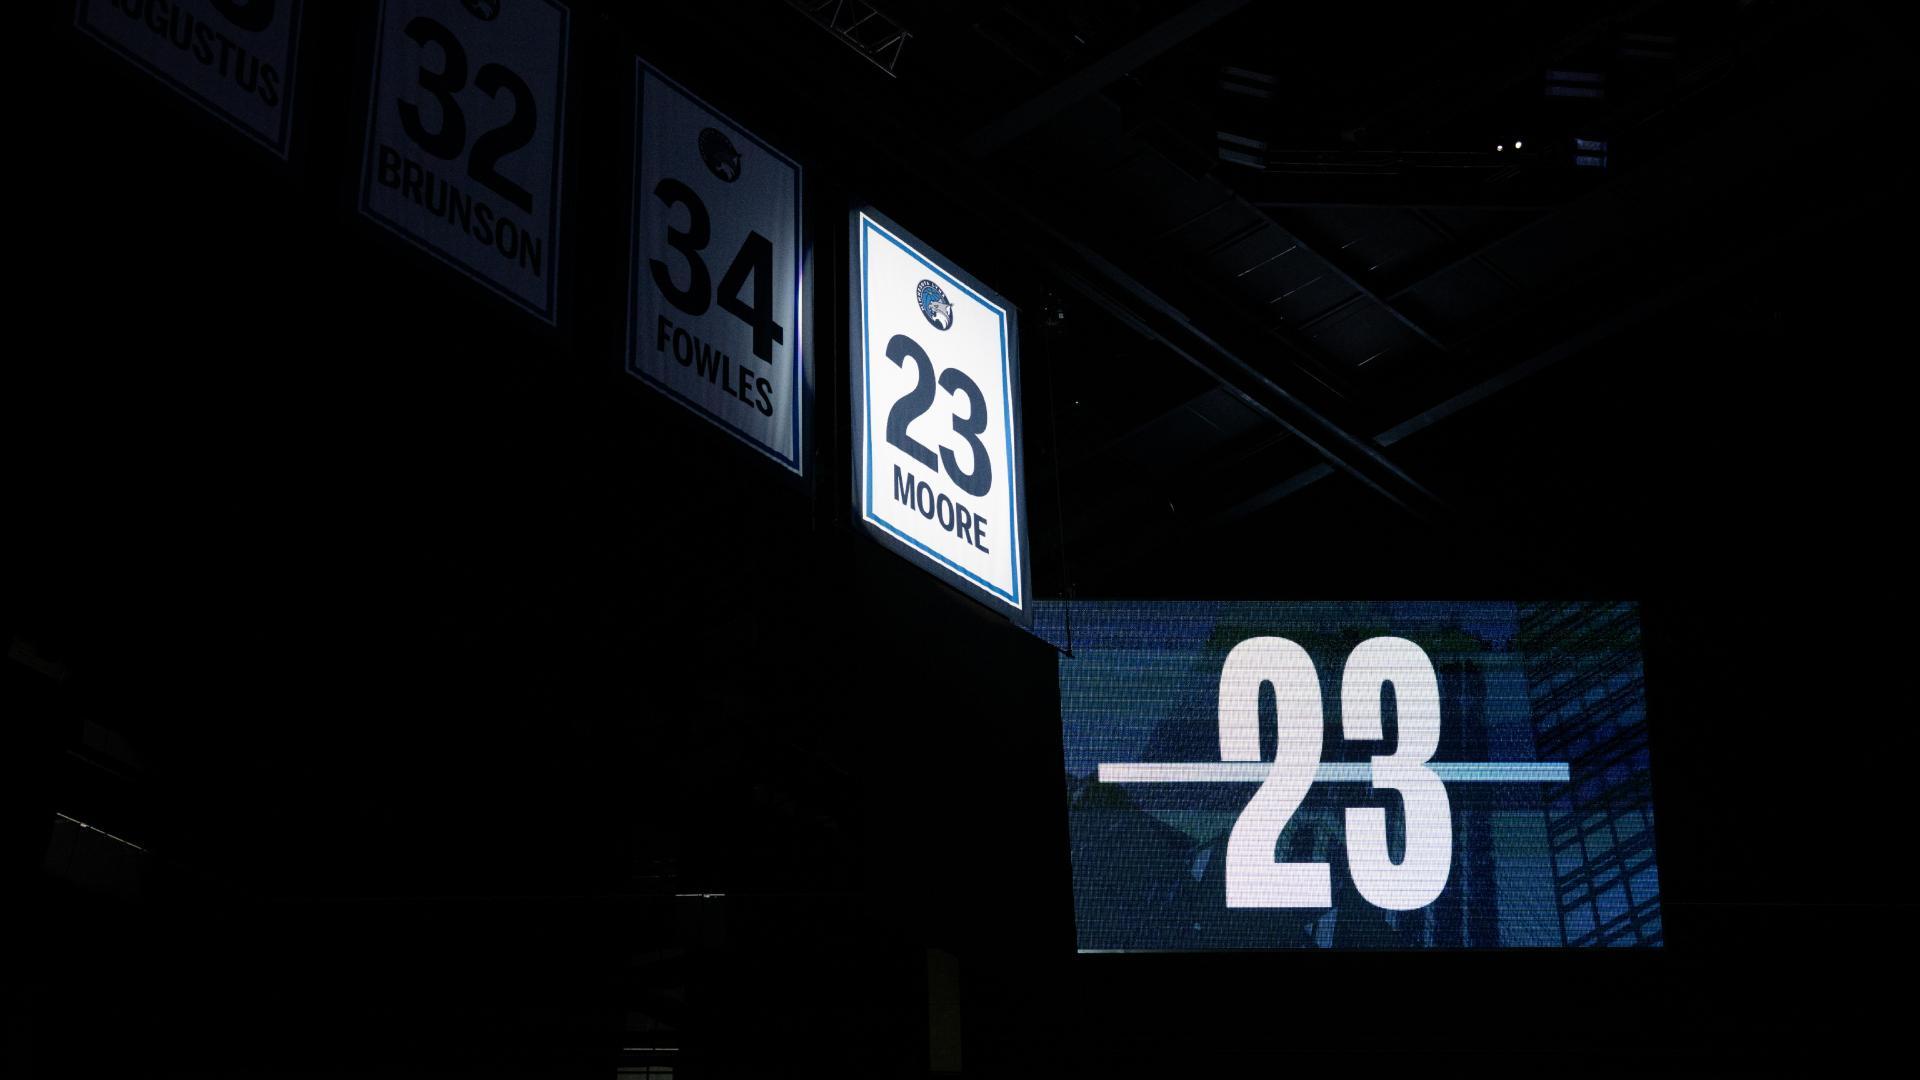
<point>937,389</point>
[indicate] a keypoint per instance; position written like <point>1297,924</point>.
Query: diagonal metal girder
<point>995,195</point>
<point>1181,329</point>
<point>1097,75</point>
<point>1142,309</point>
<point>1818,98</point>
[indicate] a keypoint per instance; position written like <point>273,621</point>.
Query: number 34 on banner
<point>715,313</point>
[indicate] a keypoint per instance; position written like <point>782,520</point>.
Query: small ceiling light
<point>1500,147</point>
<point>1516,144</point>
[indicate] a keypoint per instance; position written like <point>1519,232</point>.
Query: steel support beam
<point>1606,329</point>
<point>1093,78</point>
<point>995,195</point>
<point>1147,313</point>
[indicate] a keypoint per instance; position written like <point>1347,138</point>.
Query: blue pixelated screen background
<point>1536,864</point>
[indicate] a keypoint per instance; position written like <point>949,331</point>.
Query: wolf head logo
<point>934,305</point>
<point>718,151</point>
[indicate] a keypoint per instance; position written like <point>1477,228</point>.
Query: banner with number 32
<point>464,138</point>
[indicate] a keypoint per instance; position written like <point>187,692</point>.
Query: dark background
<point>474,708</point>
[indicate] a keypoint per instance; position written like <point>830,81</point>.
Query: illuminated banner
<point>936,401</point>
<point>716,306</point>
<point>1365,776</point>
<point>464,138</point>
<point>232,57</point>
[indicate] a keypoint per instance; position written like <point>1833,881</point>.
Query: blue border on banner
<point>868,226</point>
<point>641,70</point>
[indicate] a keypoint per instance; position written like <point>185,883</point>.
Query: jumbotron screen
<point>1313,775</point>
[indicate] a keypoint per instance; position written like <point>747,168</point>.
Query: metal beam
<point>1429,110</point>
<point>1610,327</point>
<point>1002,196</point>
<point>1091,79</point>
<point>1147,313</point>
<point>1360,288</point>
<point>1817,97</point>
<point>860,26</point>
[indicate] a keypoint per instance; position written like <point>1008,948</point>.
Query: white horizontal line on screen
<point>1356,772</point>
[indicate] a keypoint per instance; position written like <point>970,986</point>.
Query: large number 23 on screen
<point>1254,878</point>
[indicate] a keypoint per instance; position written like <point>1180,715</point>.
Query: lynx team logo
<point>935,305</point>
<point>719,154</point>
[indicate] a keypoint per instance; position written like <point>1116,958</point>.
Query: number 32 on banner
<point>465,139</point>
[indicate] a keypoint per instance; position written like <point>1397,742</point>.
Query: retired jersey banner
<point>716,307</point>
<point>233,58</point>
<point>936,401</point>
<point>465,132</point>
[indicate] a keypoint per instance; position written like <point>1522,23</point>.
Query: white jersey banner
<point>464,138</point>
<point>715,311</point>
<point>937,404</point>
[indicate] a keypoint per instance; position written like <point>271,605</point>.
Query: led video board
<point>1416,775</point>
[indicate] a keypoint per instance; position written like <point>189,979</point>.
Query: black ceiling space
<point>474,709</point>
